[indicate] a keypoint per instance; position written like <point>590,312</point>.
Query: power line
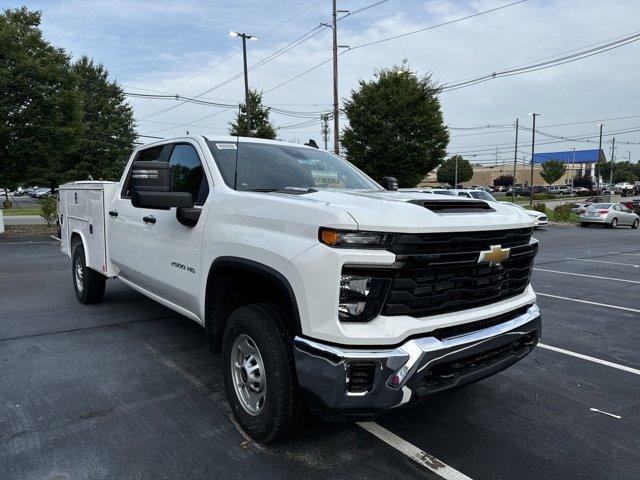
<point>561,60</point>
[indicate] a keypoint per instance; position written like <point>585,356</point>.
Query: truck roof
<point>226,138</point>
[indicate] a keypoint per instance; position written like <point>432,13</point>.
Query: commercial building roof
<point>581,156</point>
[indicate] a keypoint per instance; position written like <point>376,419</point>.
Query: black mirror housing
<point>390,183</point>
<point>161,200</point>
<point>150,177</point>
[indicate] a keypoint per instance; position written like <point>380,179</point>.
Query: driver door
<point>170,250</point>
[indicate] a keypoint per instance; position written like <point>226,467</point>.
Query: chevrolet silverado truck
<point>324,292</point>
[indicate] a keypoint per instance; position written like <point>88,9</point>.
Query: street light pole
<point>455,180</point>
<point>573,169</point>
<point>247,104</point>
<point>533,148</point>
<point>613,156</point>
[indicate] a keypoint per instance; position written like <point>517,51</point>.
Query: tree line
<point>60,119</point>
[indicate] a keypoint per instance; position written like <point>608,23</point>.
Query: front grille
<point>440,273</point>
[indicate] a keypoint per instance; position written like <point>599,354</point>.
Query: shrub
<point>540,207</point>
<point>543,196</point>
<point>562,212</point>
<point>49,210</point>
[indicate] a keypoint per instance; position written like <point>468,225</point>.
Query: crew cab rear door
<point>170,250</point>
<point>125,222</point>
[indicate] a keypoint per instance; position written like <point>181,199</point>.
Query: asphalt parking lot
<point>128,389</point>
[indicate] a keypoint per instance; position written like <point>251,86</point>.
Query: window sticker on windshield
<point>226,146</point>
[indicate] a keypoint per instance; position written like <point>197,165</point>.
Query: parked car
<point>611,215</point>
<point>499,188</point>
<point>580,207</point>
<point>633,205</point>
<point>539,218</point>
<point>43,192</point>
<point>561,189</point>
<point>624,188</point>
<point>291,266</point>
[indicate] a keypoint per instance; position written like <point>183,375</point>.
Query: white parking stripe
<point>591,359</point>
<point>413,452</point>
<point>603,261</point>
<point>634,310</point>
<point>585,275</point>
<point>625,253</point>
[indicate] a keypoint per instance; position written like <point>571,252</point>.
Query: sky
<point>183,47</point>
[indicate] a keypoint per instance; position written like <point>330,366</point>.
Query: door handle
<point>113,213</point>
<point>149,219</point>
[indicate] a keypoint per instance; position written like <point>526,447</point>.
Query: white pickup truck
<point>323,291</point>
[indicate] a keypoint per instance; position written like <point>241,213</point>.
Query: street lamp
<point>245,37</point>
<point>598,162</point>
<point>533,145</point>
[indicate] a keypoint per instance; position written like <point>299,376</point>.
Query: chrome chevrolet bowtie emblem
<point>495,255</point>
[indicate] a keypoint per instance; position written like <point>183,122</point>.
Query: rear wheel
<point>87,283</point>
<point>259,373</point>
<point>635,224</point>
<point>614,223</point>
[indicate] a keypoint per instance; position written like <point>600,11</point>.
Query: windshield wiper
<point>289,190</point>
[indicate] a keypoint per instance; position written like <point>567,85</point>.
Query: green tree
<point>109,134</point>
<point>447,171</point>
<point>552,170</point>
<point>39,110</point>
<point>261,127</point>
<point>395,126</point>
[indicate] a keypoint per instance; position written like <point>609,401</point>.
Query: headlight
<point>361,296</point>
<point>354,239</point>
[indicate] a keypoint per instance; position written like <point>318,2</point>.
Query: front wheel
<point>635,224</point>
<point>259,373</point>
<point>88,284</point>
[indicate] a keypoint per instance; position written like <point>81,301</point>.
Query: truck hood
<point>389,211</point>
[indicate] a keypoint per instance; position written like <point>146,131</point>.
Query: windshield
<point>267,167</point>
<point>483,196</point>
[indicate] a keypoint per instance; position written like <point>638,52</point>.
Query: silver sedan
<point>609,214</point>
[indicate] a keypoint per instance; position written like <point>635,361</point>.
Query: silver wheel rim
<point>79,275</point>
<point>247,371</point>
<point>614,223</point>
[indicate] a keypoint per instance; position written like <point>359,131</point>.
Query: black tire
<point>584,224</point>
<point>89,284</point>
<point>282,411</point>
<point>635,224</point>
<point>614,223</point>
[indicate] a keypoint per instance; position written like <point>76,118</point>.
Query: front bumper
<point>417,368</point>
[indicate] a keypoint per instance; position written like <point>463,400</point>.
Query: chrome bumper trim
<point>322,369</point>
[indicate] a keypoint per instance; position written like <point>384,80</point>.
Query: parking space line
<point>591,359</point>
<point>585,275</point>
<point>627,309</point>
<point>413,452</point>
<point>603,261</point>
<point>625,253</point>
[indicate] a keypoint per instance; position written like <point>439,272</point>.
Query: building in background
<point>585,161</point>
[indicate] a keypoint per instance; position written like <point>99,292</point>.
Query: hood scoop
<point>454,206</point>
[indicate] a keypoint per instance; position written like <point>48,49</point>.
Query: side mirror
<point>161,200</point>
<point>150,177</point>
<point>390,183</point>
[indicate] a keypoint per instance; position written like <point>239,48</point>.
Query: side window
<point>187,174</point>
<point>151,155</point>
<point>463,194</point>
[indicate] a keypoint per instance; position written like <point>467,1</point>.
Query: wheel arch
<point>77,238</point>
<point>228,274</point>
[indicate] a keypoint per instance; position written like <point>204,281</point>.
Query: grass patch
<point>28,210</point>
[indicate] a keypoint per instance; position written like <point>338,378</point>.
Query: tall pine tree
<point>260,126</point>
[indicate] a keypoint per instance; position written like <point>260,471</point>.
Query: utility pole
<point>533,148</point>
<point>336,118</point>
<point>573,169</point>
<point>324,118</point>
<point>455,181</point>
<point>629,156</point>
<point>247,105</point>
<point>598,162</point>
<point>515,166</point>
<point>613,155</point>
